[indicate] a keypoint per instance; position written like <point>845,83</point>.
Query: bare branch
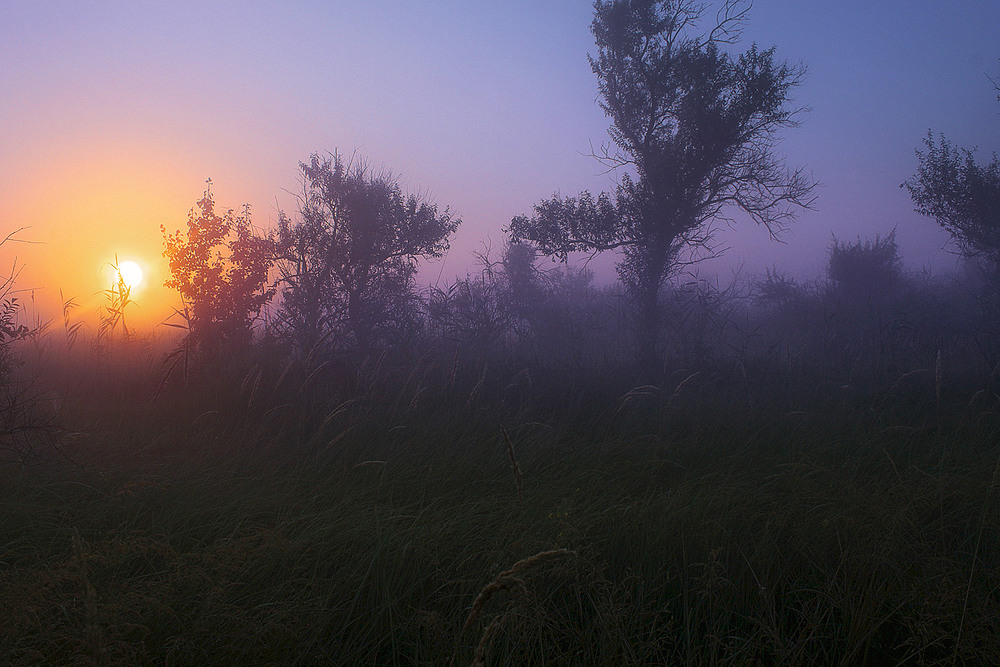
<point>729,22</point>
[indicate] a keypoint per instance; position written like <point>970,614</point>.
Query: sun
<point>131,274</point>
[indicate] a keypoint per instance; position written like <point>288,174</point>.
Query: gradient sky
<point>114,114</point>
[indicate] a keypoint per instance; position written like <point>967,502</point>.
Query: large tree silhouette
<point>695,129</point>
<point>348,262</point>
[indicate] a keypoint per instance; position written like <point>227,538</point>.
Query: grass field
<point>389,521</point>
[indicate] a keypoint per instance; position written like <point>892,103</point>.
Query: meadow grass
<point>398,518</point>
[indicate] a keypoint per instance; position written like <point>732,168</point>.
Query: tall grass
<point>364,514</point>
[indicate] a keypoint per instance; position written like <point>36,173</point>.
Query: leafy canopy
<point>220,268</point>
<point>695,129</point>
<point>349,261</point>
<point>962,196</point>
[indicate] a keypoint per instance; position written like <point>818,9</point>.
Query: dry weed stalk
<point>975,559</point>
<point>506,580</point>
<point>515,468</point>
<point>503,582</point>
<point>475,390</point>
<point>251,382</point>
<point>454,369</point>
<point>906,376</point>
<point>636,393</point>
<point>938,372</point>
<point>91,629</point>
<point>479,657</point>
<point>677,391</point>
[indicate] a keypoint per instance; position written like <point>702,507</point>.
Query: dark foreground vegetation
<point>460,506</point>
<point>336,467</point>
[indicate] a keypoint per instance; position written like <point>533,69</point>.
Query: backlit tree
<point>220,268</point>
<point>695,129</point>
<point>348,262</point>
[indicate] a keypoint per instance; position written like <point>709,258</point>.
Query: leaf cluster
<point>220,268</point>
<point>869,266</point>
<point>962,196</point>
<point>10,330</point>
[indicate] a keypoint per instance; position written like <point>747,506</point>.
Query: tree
<point>962,196</point>
<point>522,277</point>
<point>220,267</point>
<point>865,269</point>
<point>348,263</point>
<point>695,129</point>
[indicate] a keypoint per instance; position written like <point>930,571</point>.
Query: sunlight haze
<point>116,113</point>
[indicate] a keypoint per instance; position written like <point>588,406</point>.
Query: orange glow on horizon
<point>82,215</point>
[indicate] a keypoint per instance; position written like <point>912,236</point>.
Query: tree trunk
<point>359,323</point>
<point>651,277</point>
<point>648,329</point>
<point>653,264</point>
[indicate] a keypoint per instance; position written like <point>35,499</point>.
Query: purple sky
<point>114,114</point>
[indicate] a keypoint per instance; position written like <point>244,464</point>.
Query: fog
<point>528,333</point>
<point>117,115</point>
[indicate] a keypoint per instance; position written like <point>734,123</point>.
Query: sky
<point>114,114</point>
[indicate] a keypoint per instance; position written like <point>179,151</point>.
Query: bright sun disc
<point>131,273</point>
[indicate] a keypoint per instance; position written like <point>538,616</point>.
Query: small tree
<point>348,263</point>
<point>695,125</point>
<point>962,196</point>
<point>523,278</point>
<point>865,268</point>
<point>220,268</point>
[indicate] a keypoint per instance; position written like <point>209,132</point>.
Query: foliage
<point>697,127</point>
<point>348,262</point>
<point>220,268</point>
<point>964,198</point>
<point>474,310</point>
<point>21,426</point>
<point>491,309</point>
<point>865,268</point>
<point>523,278</point>
<point>807,486</point>
<point>777,290</point>
<point>961,195</point>
<point>10,329</point>
<point>13,398</point>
